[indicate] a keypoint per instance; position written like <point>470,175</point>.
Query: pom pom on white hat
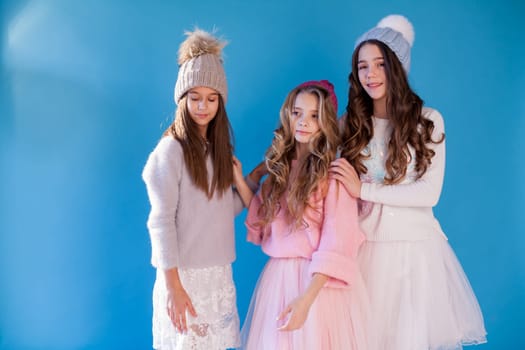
<point>397,33</point>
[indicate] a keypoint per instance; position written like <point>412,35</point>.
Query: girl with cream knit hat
<point>189,177</point>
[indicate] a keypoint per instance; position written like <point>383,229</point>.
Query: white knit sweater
<point>187,229</point>
<point>402,211</point>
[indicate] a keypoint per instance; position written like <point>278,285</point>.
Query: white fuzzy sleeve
<point>425,191</point>
<point>162,175</point>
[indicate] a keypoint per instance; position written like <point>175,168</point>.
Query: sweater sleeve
<point>162,175</point>
<point>340,239</point>
<point>237,202</point>
<point>255,232</point>
<point>254,186</point>
<point>425,191</point>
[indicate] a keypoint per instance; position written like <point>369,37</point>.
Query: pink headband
<point>323,84</point>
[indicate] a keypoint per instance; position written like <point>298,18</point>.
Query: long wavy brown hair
<point>404,109</point>
<point>196,149</point>
<point>313,171</point>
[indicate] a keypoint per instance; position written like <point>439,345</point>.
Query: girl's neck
<point>301,151</point>
<point>203,130</point>
<point>380,109</point>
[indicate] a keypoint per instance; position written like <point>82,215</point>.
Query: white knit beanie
<point>397,33</point>
<point>201,64</point>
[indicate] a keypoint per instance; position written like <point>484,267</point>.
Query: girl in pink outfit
<point>310,294</point>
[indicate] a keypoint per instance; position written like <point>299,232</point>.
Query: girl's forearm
<point>317,282</point>
<point>172,279</point>
<point>244,191</point>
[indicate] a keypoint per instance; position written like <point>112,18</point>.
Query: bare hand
<point>345,173</point>
<point>177,303</point>
<point>258,172</point>
<point>296,312</point>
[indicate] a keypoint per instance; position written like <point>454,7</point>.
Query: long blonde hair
<point>195,148</point>
<point>313,172</point>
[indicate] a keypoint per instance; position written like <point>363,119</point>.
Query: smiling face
<point>371,71</point>
<point>203,104</point>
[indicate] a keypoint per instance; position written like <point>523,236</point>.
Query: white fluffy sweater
<point>187,229</point>
<point>402,211</point>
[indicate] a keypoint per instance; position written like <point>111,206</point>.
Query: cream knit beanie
<point>200,64</point>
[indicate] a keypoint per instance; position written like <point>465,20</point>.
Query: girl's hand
<point>177,303</point>
<point>297,312</point>
<point>345,173</point>
<point>258,172</point>
<point>244,191</point>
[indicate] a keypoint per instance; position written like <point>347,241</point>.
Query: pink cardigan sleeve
<point>340,239</point>
<point>255,232</point>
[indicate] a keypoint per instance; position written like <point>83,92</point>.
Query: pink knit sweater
<point>329,236</point>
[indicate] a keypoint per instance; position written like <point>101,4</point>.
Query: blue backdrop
<point>86,90</point>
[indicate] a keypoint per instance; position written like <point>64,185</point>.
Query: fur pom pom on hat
<point>397,33</point>
<point>200,64</point>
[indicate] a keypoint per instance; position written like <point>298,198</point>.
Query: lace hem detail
<point>213,295</point>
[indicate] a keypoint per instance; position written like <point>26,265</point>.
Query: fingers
<point>179,319</point>
<point>237,166</point>
<point>172,317</point>
<point>341,162</point>
<point>261,167</point>
<point>290,325</point>
<point>341,166</point>
<point>285,327</point>
<point>175,318</point>
<point>339,178</point>
<point>341,170</point>
<point>179,322</point>
<point>285,312</point>
<point>191,309</point>
<point>183,327</point>
<point>282,316</point>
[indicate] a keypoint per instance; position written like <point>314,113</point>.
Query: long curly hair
<point>196,149</point>
<point>404,108</point>
<point>312,172</point>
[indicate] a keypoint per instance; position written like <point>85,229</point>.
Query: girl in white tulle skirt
<point>393,159</point>
<point>310,295</point>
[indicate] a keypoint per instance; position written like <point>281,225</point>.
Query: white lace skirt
<point>212,293</point>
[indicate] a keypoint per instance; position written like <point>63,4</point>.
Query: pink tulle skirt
<point>420,297</point>
<point>338,318</point>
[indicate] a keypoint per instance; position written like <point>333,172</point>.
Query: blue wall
<point>86,90</point>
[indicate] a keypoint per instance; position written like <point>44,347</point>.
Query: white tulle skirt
<point>338,318</point>
<point>213,296</point>
<point>420,297</point>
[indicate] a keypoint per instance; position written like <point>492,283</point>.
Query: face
<point>371,69</point>
<point>203,104</point>
<point>305,112</point>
